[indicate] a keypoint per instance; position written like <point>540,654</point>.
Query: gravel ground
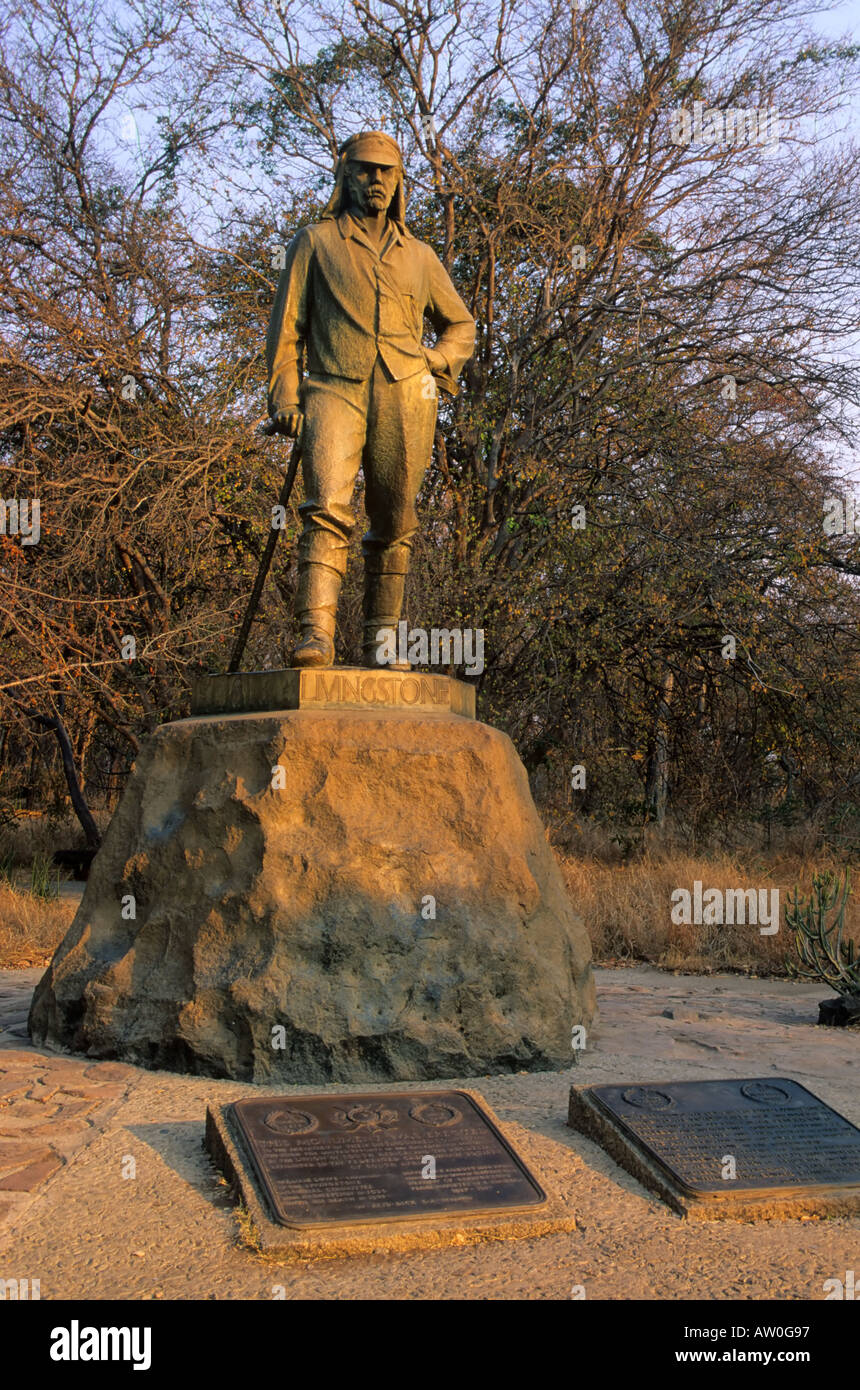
<point>86,1228</point>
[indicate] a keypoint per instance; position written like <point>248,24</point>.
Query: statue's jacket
<point>342,303</point>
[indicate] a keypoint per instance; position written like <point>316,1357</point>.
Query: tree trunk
<point>79,802</point>
<point>657,782</point>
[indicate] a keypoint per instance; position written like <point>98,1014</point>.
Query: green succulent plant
<point>818,924</point>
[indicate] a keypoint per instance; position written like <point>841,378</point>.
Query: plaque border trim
<point>408,1217</point>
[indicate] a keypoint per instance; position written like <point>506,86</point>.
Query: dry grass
<point>31,835</point>
<point>624,897</point>
<point>627,908</point>
<point>31,928</point>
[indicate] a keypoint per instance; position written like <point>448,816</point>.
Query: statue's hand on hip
<point>435,361</point>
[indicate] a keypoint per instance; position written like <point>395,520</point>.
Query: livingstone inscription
<point>355,688</point>
<point>345,687</point>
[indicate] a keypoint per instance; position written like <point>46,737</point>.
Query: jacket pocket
<point>415,317</point>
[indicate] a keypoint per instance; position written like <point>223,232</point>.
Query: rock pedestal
<point>320,895</point>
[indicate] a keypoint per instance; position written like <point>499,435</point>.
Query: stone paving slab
<point>137,1211</point>
<point>51,1107</point>
<point>16,991</point>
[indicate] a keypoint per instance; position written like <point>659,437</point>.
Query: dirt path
<point>126,1204</point>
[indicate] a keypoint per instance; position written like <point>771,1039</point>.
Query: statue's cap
<point>372,147</point>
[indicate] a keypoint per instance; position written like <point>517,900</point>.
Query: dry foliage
<point>31,928</point>
<point>626,905</point>
<point>617,279</point>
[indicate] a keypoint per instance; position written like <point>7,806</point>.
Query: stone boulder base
<point>386,907</point>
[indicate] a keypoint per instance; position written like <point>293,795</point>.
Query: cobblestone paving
<point>51,1107</point>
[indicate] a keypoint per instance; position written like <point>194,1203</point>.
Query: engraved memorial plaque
<point>779,1135</point>
<point>387,1156</point>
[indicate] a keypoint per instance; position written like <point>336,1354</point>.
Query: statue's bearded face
<point>371,186</point>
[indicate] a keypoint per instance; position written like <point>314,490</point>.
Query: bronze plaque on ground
<point>386,1156</point>
<point>765,1144</point>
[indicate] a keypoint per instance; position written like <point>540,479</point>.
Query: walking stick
<point>265,562</point>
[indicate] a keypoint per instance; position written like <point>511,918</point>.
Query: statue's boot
<point>384,583</point>
<point>316,610</point>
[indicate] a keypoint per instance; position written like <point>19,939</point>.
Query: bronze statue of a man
<point>353,295</point>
